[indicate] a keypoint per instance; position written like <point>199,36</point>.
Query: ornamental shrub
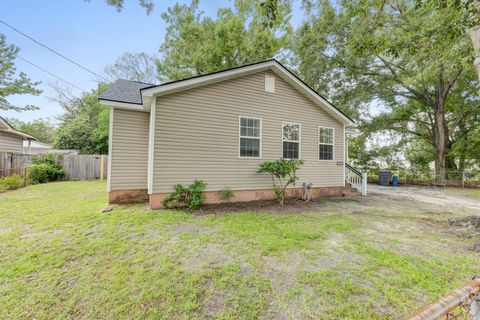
<point>225,194</point>
<point>45,170</point>
<point>191,196</point>
<point>12,182</point>
<point>283,173</point>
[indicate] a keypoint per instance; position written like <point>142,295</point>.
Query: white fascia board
<point>312,95</point>
<point>269,65</point>
<point>122,105</point>
<point>206,79</point>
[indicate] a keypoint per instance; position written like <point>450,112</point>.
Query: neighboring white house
<point>36,147</point>
<point>12,140</point>
<point>218,128</point>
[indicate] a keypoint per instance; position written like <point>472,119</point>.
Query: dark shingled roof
<point>125,91</point>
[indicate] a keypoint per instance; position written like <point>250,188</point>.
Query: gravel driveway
<point>450,199</point>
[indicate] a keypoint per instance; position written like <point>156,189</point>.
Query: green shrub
<point>225,194</point>
<point>281,169</point>
<point>12,182</point>
<point>191,196</point>
<point>44,170</point>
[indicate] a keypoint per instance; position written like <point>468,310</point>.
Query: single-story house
<point>218,128</point>
<point>37,147</point>
<point>12,140</point>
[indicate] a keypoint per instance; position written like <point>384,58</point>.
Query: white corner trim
<point>344,154</point>
<point>110,148</point>
<point>151,145</point>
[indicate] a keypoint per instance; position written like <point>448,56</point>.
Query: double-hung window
<point>250,137</point>
<point>325,143</point>
<point>291,140</point>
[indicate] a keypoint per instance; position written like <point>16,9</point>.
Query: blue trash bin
<point>384,178</point>
<point>395,181</point>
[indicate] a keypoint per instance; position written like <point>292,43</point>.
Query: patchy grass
<point>362,258</point>
<point>467,192</point>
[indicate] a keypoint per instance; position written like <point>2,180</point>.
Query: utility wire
<point>48,72</point>
<point>55,52</point>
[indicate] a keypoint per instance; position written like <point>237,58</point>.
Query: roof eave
<point>152,92</point>
<point>121,104</point>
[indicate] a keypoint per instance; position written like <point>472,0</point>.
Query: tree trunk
<point>475,35</point>
<point>441,135</point>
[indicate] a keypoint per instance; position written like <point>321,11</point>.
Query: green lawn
<point>361,258</point>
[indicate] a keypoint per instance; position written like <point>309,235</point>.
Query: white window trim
<point>299,139</point>
<point>260,138</point>
<point>330,144</point>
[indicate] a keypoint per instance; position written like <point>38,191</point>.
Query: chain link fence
<point>460,179</point>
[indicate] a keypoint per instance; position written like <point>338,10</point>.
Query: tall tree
<point>135,67</point>
<point>405,59</point>
<point>84,124</point>
<point>11,82</point>
<point>42,129</point>
<point>119,4</point>
<point>248,32</point>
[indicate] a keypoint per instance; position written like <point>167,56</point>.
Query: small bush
<point>45,170</point>
<point>225,194</point>
<point>283,173</point>
<point>12,182</point>
<point>191,196</point>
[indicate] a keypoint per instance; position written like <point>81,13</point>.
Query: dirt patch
<point>471,222</point>
<point>466,227</point>
<point>209,255</point>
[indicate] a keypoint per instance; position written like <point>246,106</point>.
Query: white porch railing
<point>356,179</point>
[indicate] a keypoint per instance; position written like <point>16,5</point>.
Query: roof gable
<point>6,127</point>
<point>149,92</point>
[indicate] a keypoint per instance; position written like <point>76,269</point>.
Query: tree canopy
<point>11,82</point>
<point>134,67</point>
<point>410,62</point>
<point>195,44</point>
<point>84,124</point>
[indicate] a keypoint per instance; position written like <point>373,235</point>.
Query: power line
<point>52,50</point>
<point>46,71</point>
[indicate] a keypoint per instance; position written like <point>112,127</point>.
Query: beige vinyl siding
<point>197,135</point>
<point>129,150</point>
<point>10,142</point>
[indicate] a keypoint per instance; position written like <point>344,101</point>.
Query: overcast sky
<point>88,32</point>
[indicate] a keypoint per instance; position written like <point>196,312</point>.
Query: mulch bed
<point>268,206</point>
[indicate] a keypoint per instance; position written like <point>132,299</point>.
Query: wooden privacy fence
<point>76,167</point>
